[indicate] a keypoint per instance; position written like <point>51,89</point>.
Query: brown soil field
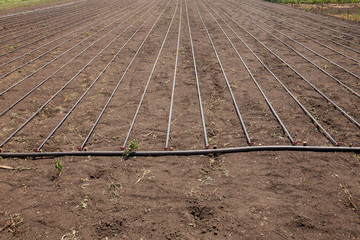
<point>179,75</point>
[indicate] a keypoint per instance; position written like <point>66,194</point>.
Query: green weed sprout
<point>132,146</point>
<point>58,166</point>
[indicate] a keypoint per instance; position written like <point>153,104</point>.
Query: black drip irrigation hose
<point>96,24</point>
<point>320,28</point>
<point>297,73</point>
<point>254,80</point>
<point>53,27</point>
<point>197,80</point>
<point>182,152</point>
<point>46,34</point>
<point>242,123</point>
<point>39,9</point>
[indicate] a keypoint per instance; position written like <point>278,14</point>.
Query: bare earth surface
<point>98,74</point>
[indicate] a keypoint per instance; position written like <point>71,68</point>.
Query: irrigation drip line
<point>331,29</point>
<point>330,35</point>
<point>68,40</point>
<point>321,56</point>
<point>100,74</point>
<point>316,19</point>
<point>26,22</point>
<point>150,76</point>
<point>321,44</point>
<point>197,81</point>
<point>25,27</point>
<point>69,16</point>
<point>316,53</point>
<point>312,63</point>
<point>62,88</point>
<point>292,23</point>
<point>284,87</point>
<point>119,82</point>
<point>174,82</point>
<point>314,29</point>
<point>255,81</point>
<point>250,143</point>
<point>78,22</point>
<point>51,75</point>
<point>47,30</point>
<point>307,81</point>
<point>325,38</point>
<point>310,38</point>
<point>40,9</point>
<point>276,148</point>
<point>93,23</point>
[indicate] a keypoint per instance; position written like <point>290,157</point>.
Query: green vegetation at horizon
<point>5,4</point>
<point>313,1</point>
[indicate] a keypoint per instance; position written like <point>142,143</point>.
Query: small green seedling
<point>58,166</point>
<point>132,146</point>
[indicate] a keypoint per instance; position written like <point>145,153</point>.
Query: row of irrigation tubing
<point>326,46</point>
<point>302,77</point>
<point>287,22</point>
<point>26,27</point>
<point>272,74</point>
<point>46,35</point>
<point>250,143</point>
<point>26,22</point>
<point>82,147</point>
<point>307,29</point>
<point>97,24</point>
<point>322,26</point>
<point>309,49</point>
<point>306,80</point>
<point>149,79</point>
<point>174,82</point>
<point>73,18</point>
<point>316,17</point>
<point>97,78</point>
<point>311,62</point>
<point>100,14</point>
<point>197,81</point>
<point>293,142</point>
<point>320,36</point>
<point>37,155</point>
<point>316,29</point>
<point>96,41</point>
<point>62,88</point>
<point>37,10</point>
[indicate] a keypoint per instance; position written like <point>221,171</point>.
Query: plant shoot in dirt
<point>58,166</point>
<point>132,146</point>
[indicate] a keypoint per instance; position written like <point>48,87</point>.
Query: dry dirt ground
<point>265,74</point>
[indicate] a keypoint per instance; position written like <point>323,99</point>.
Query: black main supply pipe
<point>182,152</point>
